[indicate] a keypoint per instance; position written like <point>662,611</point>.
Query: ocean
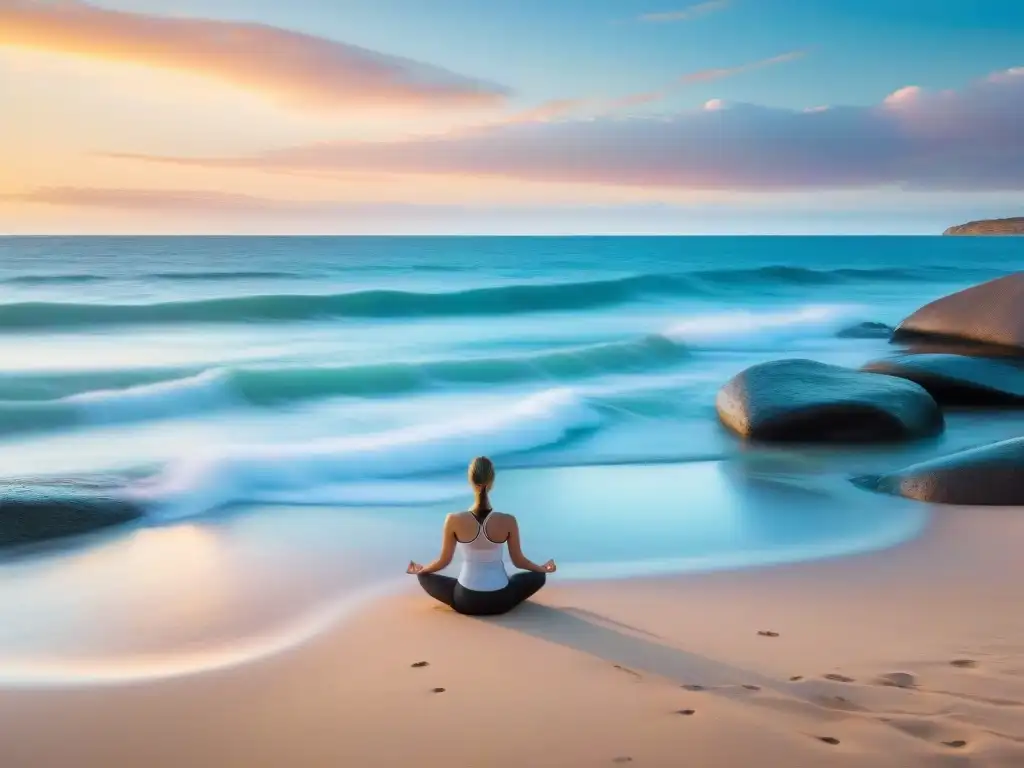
<point>315,401</point>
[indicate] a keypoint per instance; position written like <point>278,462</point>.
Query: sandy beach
<point>911,656</point>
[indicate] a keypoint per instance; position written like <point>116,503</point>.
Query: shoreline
<point>592,671</point>
<point>178,597</point>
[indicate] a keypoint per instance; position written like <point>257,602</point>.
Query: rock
<point>866,331</point>
<point>1010,226</point>
<point>959,380</point>
<point>806,401</point>
<point>992,475</point>
<point>38,511</point>
<point>988,314</point>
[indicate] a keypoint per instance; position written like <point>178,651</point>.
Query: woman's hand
<point>549,567</point>
<point>414,568</point>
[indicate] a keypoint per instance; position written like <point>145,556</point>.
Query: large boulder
<point>959,380</point>
<point>807,401</point>
<point>989,314</point>
<point>989,475</point>
<point>37,511</point>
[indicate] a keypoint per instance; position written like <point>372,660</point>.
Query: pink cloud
<point>685,14</point>
<point>709,75</point>
<point>292,67</point>
<point>968,140</point>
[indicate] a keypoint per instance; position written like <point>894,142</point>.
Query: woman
<point>483,587</point>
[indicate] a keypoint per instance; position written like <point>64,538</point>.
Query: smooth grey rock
<point>959,380</point>
<point>38,511</point>
<point>807,401</point>
<point>866,331</point>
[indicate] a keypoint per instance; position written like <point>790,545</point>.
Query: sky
<point>509,116</point>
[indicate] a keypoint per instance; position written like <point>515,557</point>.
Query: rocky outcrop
<point>807,401</point>
<point>866,331</point>
<point>1011,226</point>
<point>38,511</point>
<point>992,475</point>
<point>988,314</point>
<point>959,380</point>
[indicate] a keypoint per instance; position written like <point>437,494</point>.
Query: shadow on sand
<point>626,646</point>
<point>639,652</point>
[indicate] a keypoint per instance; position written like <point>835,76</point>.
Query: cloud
<point>963,140</point>
<point>561,108</point>
<point>710,75</point>
<point>549,110</point>
<point>147,200</point>
<point>685,14</point>
<point>292,67</point>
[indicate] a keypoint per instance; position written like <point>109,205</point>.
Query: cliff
<point>1014,226</point>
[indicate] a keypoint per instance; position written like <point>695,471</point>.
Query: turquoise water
<point>296,414</point>
<point>207,372</point>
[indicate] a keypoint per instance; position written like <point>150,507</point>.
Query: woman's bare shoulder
<point>505,517</point>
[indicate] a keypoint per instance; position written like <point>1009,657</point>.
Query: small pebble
<point>957,744</point>
<point>829,740</point>
<point>438,690</point>
<point>768,633</point>
<point>796,678</point>
<point>685,711</point>
<point>418,664</point>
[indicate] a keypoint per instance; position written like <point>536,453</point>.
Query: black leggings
<point>472,602</point>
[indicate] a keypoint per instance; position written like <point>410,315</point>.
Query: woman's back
<point>483,552</point>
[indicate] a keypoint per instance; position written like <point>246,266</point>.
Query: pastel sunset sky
<point>509,116</point>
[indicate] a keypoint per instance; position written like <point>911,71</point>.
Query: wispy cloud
<point>709,75</point>
<point>292,67</point>
<point>152,199</point>
<point>967,140</point>
<point>685,14</point>
<point>549,110</point>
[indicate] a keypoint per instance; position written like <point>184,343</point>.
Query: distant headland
<point>1011,226</point>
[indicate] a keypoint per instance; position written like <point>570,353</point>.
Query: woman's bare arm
<point>515,552</point>
<point>447,548</point>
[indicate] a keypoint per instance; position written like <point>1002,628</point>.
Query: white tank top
<point>483,565</point>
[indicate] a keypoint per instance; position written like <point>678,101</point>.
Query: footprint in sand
<point>417,664</point>
<point>768,633</point>
<point>623,759</point>
<point>796,678</point>
<point>694,687</point>
<point>686,712</point>
<point>437,690</point>
<point>839,678</point>
<point>964,663</point>
<point>955,744</point>
<point>829,740</point>
<point>752,687</point>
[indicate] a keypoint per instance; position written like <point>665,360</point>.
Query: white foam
<point>207,390</point>
<point>745,328</point>
<point>298,472</point>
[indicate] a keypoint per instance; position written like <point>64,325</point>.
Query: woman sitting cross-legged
<point>483,587</point>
